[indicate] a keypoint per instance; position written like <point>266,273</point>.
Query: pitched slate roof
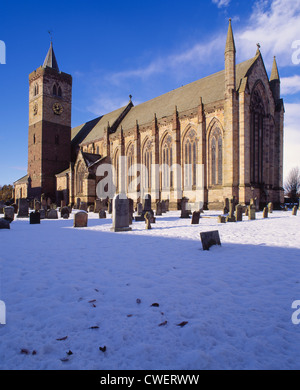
<point>210,88</point>
<point>50,60</point>
<point>94,129</point>
<point>22,180</point>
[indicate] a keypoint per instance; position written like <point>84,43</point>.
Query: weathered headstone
<point>226,206</point>
<point>221,219</point>
<point>158,209</point>
<point>210,239</point>
<point>120,214</point>
<point>42,213</point>
<point>102,214</point>
<point>91,208</point>
<point>4,224</point>
<point>77,205</point>
<point>270,207</point>
<point>23,209</point>
<point>148,220</point>
<point>37,205</point>
<point>81,219</point>
<point>294,212</point>
<point>9,213</point>
<point>147,203</point>
<point>196,218</point>
<point>83,206</point>
<point>185,213</point>
<point>239,213</point>
<point>251,212</point>
<point>52,214</point>
<point>64,212</point>
<point>15,206</point>
<point>139,209</point>
<point>34,218</point>
<point>131,210</point>
<point>167,205</point>
<point>265,212</point>
<point>163,206</point>
<point>231,216</point>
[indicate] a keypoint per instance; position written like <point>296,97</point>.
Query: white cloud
<point>221,3</point>
<point>291,137</point>
<point>290,85</point>
<point>275,26</point>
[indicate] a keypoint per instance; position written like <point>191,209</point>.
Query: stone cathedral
<point>230,122</point>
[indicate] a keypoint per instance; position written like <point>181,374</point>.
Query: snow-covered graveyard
<point>90,298</point>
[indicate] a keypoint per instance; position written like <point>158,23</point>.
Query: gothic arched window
<point>167,162</point>
<point>117,170</point>
<point>147,162</point>
<point>80,178</point>
<point>59,93</point>
<point>54,90</point>
<point>130,162</point>
<point>216,157</point>
<point>190,159</point>
<point>256,137</point>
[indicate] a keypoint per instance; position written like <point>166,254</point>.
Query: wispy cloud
<point>221,3</point>
<point>290,85</point>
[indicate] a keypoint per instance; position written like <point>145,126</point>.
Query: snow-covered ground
<point>94,288</point>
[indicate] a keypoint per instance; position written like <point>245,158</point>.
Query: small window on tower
<point>57,140</point>
<point>54,90</point>
<point>34,139</point>
<point>59,92</point>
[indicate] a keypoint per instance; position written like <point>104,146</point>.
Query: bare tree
<point>292,184</point>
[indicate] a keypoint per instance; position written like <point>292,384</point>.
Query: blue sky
<point>143,48</point>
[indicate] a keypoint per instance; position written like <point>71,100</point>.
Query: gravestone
<point>139,208</point>
<point>196,218</point>
<point>65,212</point>
<point>52,214</point>
<point>15,206</point>
<point>34,218</point>
<point>251,212</point>
<point>77,203</point>
<point>120,214</point>
<point>131,210</point>
<point>42,213</point>
<point>185,213</point>
<point>210,239</point>
<point>4,224</point>
<point>9,213</point>
<point>23,209</point>
<point>270,207</point>
<point>294,212</point>
<point>97,205</point>
<point>91,208</point>
<point>158,209</point>
<point>239,213</point>
<point>102,214</point>
<point>167,205</point>
<point>221,219</point>
<point>80,219</point>
<point>37,205</point>
<point>226,206</point>
<point>147,203</point>
<point>148,220</point>
<point>163,206</point>
<point>231,216</point>
<point>265,212</point>
<point>83,206</point>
